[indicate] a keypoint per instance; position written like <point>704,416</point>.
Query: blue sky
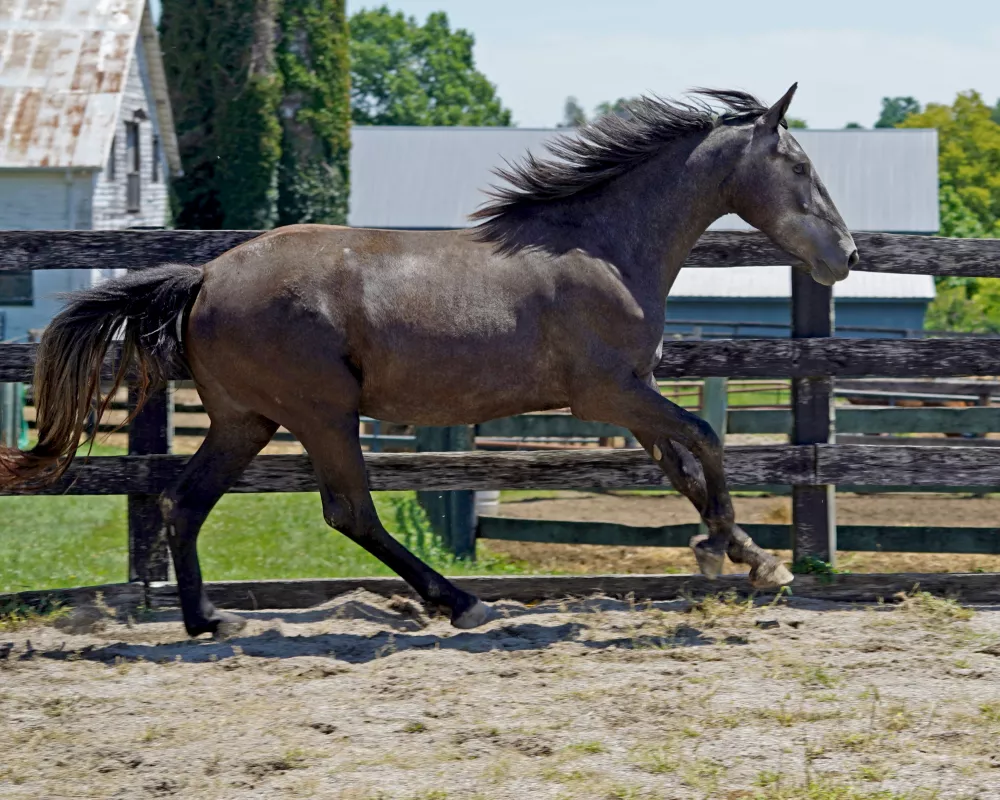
<point>846,55</point>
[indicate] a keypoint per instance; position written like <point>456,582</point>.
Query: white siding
<point>44,200</point>
<point>109,198</point>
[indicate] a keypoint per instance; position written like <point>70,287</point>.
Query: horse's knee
<point>343,515</point>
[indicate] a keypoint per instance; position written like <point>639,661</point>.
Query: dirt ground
<point>364,698</point>
<point>884,509</point>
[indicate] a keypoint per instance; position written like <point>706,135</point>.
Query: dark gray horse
<point>555,300</point>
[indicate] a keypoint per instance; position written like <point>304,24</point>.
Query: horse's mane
<point>600,151</point>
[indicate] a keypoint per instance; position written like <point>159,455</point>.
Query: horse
<point>555,298</point>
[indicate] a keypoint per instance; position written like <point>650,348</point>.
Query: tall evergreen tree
<point>315,112</point>
<point>260,90</point>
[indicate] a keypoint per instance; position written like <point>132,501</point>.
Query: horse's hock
<point>811,463</point>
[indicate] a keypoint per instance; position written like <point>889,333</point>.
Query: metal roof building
<point>881,180</point>
<point>64,66</point>
<point>86,134</point>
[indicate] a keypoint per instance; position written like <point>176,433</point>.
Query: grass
<point>51,542</point>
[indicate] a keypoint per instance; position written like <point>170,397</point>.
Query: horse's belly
<point>450,390</point>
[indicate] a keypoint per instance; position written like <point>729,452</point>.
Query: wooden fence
<point>811,358</point>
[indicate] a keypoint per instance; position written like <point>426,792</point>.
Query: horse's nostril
<point>853,259</point>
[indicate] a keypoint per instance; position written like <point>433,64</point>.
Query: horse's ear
<point>773,117</point>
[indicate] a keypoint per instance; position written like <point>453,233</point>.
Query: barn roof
<point>63,69</point>
<point>433,177</point>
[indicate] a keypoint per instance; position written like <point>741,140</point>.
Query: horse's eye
<point>799,169</point>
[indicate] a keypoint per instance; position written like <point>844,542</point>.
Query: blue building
<point>881,180</point>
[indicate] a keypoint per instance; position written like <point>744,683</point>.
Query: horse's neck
<point>646,221</point>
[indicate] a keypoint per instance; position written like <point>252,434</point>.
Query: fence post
<point>150,433</point>
<point>814,527</point>
<point>452,514</point>
<point>715,404</point>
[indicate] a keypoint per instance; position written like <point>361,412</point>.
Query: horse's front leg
<point>690,454</point>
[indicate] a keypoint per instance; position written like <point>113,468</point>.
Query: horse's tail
<point>145,307</point>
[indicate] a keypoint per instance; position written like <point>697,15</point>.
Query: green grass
<point>52,542</point>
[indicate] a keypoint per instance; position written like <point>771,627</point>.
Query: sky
<point>845,55</point>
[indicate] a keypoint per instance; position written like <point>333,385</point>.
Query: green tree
<point>895,110</point>
<point>404,73</point>
<point>996,113</point>
<point>968,164</point>
<point>853,126</point>
<point>314,60</point>
<point>619,108</point>
<point>969,198</point>
<point>795,122</point>
<point>260,90</point>
<point>573,114</point>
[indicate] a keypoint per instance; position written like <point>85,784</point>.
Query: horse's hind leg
<point>688,451</point>
<point>335,450</point>
<point>233,439</point>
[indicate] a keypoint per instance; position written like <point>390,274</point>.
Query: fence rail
<point>743,358</point>
<point>812,465</point>
<point>880,252</point>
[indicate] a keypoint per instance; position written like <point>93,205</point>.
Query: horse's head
<point>775,188</point>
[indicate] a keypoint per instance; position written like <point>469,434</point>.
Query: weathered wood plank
<point>254,595</point>
<point>972,588</point>
<point>860,465</point>
<point>116,595</point>
<point>915,441</point>
<point>747,358</point>
<point>897,465</point>
<point>840,358</point>
<point>103,249</point>
<point>814,521</point>
<point>880,252</point>
<point>588,468</point>
<point>151,432</point>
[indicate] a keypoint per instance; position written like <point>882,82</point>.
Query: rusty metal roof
<point>63,68</point>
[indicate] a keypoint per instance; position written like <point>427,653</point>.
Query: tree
<point>259,89</point>
<point>314,57</point>
<point>620,108</point>
<point>573,114</point>
<point>895,110</point>
<point>995,116</point>
<point>853,126</point>
<point>968,164</point>
<point>404,73</point>
<point>794,122</point>
<point>969,198</point>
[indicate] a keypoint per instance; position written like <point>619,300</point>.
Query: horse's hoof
<point>770,575</point>
<point>229,625</point>
<point>474,616</point>
<point>710,562</point>
<point>222,625</point>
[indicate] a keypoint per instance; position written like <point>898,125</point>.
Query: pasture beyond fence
<point>811,463</point>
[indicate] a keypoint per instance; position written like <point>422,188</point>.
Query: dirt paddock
<point>365,698</point>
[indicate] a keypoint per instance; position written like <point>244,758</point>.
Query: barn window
<point>133,161</point>
<point>155,177</point>
<point>15,289</point>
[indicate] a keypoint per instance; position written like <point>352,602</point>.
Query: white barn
<point>87,139</point>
